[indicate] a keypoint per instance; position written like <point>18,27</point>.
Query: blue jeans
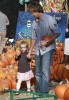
<point>42,71</point>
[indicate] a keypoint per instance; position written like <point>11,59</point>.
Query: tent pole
<point>25,6</point>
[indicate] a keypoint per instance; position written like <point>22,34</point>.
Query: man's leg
<point>46,61</point>
<point>38,71</point>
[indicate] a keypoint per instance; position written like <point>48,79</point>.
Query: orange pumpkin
<point>10,53</point>
<point>2,74</point>
<point>55,72</point>
<point>5,85</point>
<point>66,72</point>
<point>18,42</point>
<point>33,63</point>
<point>2,64</point>
<point>13,84</point>
<point>12,61</point>
<point>8,76</point>
<point>46,38</point>
<point>1,89</point>
<point>51,73</point>
<point>4,58</point>
<point>66,94</point>
<point>54,63</point>
<point>17,51</point>
<point>60,72</point>
<point>12,71</point>
<point>60,90</point>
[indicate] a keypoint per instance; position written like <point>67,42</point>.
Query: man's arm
<point>31,48</point>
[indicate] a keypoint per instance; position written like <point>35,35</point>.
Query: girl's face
<point>23,48</point>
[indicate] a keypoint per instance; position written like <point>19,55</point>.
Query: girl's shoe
<point>28,90</point>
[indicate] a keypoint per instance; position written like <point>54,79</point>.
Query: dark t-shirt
<point>23,63</point>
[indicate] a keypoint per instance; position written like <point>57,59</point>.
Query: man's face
<point>35,14</point>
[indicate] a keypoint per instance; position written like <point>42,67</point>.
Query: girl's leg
<point>28,85</point>
<point>18,84</point>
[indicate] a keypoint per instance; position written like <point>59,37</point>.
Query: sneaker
<point>16,93</point>
<point>28,90</point>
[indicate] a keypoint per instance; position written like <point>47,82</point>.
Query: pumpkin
<point>12,61</point>
<point>5,85</point>
<point>58,49</point>
<point>60,90</point>
<point>18,42</point>
<point>33,63</point>
<point>17,52</point>
<point>56,58</point>
<point>54,63</point>
<point>13,84</point>
<point>1,89</point>
<point>12,71</point>
<point>10,53</point>
<point>2,63</point>
<point>51,73</point>
<point>46,38</point>
<point>55,72</point>
<point>4,58</point>
<point>60,72</point>
<point>8,82</point>
<point>66,94</point>
<point>16,67</point>
<point>61,44</point>
<point>66,72</point>
<point>8,76</point>
<point>2,74</point>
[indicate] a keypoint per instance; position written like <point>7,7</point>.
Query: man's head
<point>35,9</point>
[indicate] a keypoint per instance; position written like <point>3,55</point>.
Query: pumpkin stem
<point>67,80</point>
<point>60,82</point>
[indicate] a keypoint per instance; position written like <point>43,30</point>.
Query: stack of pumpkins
<point>59,70</point>
<point>9,66</point>
<point>8,69</point>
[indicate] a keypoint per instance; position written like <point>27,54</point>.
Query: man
<point>4,21</point>
<point>44,25</point>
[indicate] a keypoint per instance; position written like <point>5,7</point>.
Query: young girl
<point>24,71</point>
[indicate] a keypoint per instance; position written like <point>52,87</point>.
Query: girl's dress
<point>24,72</point>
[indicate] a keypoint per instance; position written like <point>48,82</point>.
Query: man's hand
<point>29,55</point>
<point>44,43</point>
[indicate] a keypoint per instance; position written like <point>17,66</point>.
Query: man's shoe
<point>16,93</point>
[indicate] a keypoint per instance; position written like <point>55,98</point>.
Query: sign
<point>24,24</point>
